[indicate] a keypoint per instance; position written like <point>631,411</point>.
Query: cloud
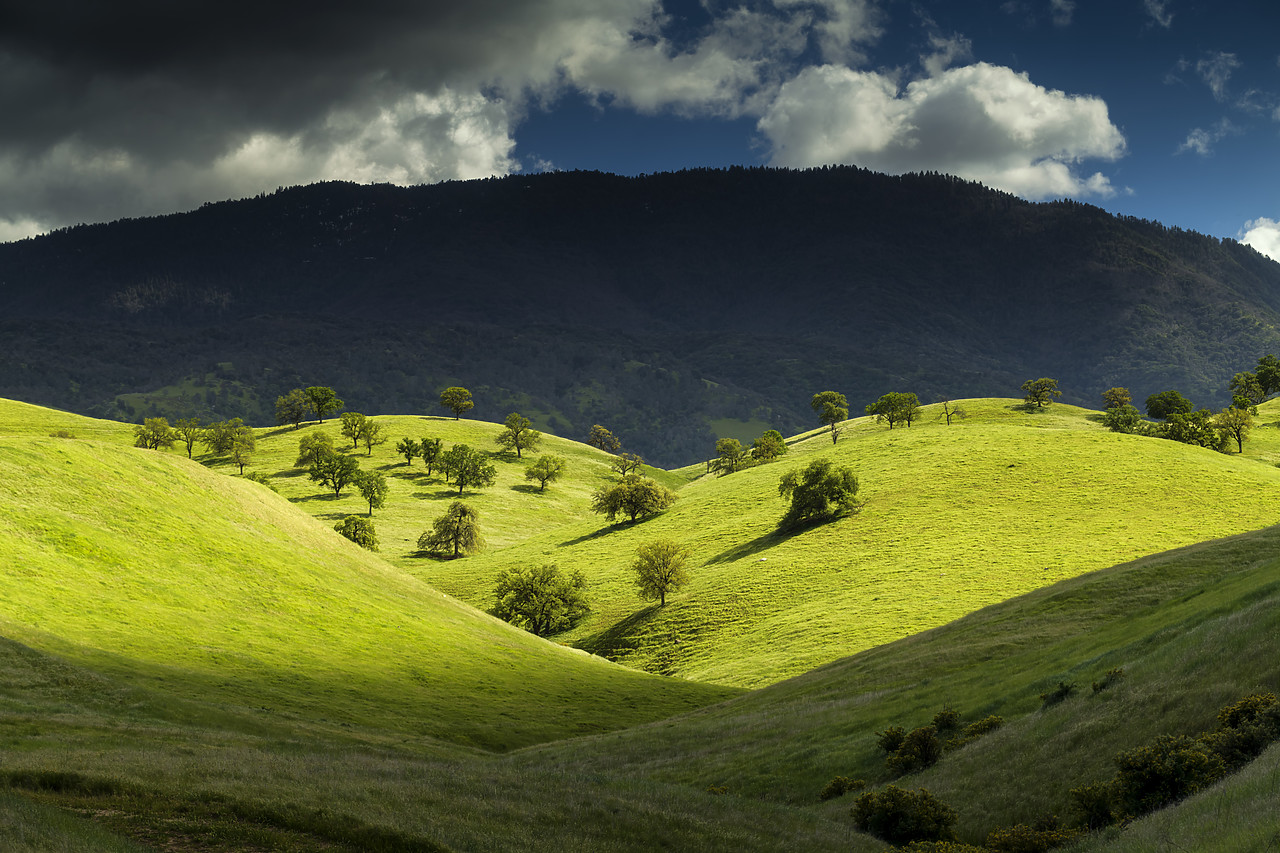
<point>1061,12</point>
<point>1216,69</point>
<point>1202,141</point>
<point>1159,12</point>
<point>1264,235</point>
<point>981,121</point>
<point>152,106</point>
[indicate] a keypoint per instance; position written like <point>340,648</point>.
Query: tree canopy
<point>660,567</point>
<point>1040,392</point>
<point>601,438</point>
<point>352,425</point>
<point>292,408</point>
<point>334,470</point>
<point>730,456</point>
<point>518,434</point>
<point>545,470</point>
<point>1166,403</point>
<point>154,433</point>
<point>896,407</point>
<point>457,400</point>
<point>541,599</point>
<point>322,400</point>
<point>455,533</point>
<point>1114,398</point>
<point>311,448</point>
<point>358,530</point>
<point>831,407</point>
<point>633,496</point>
<point>373,488</point>
<point>769,446</point>
<point>466,466</point>
<point>818,492</point>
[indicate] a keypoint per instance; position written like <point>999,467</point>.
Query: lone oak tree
<point>541,599</point>
<point>456,532</point>
<point>1040,392</point>
<point>547,469</point>
<point>456,400</point>
<point>633,496</point>
<point>518,434</point>
<point>818,492</point>
<point>831,407</point>
<point>660,567</point>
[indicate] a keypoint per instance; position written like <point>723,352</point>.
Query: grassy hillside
<point>146,564</point>
<point>954,518</point>
<point>200,666</point>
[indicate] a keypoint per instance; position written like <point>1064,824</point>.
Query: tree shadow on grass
<point>525,488</point>
<point>755,546</point>
<point>440,495</point>
<point>618,638</point>
<point>595,534</point>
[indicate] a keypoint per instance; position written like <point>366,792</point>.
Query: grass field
<point>195,664</point>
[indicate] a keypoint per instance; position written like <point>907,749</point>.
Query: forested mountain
<point>655,305</point>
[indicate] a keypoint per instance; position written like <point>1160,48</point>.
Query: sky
<point>1162,109</point>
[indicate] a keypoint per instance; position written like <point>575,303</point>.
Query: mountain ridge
<point>655,304</point>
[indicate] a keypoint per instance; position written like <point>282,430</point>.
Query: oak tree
<point>546,470</point>
<point>518,434</point>
<point>455,533</point>
<point>831,407</point>
<point>660,567</point>
<point>633,496</point>
<point>457,400</point>
<point>541,599</point>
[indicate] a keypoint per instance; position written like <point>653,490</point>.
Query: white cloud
<point>1159,12</point>
<point>1216,69</point>
<point>981,121</point>
<point>947,50</point>
<point>1264,235</point>
<point>1202,140</point>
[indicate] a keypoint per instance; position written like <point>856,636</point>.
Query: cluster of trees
<point>1175,417</point>
<point>731,456</point>
<point>301,403</point>
<point>223,438</point>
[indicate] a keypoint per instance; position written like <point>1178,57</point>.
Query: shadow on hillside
<point>281,431</point>
<point>617,639</point>
<point>595,534</point>
<point>441,494</point>
<point>525,488</point>
<point>749,549</point>
<point>289,472</point>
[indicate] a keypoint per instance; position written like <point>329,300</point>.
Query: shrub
<point>840,786</point>
<point>261,479</point>
<point>920,749</point>
<point>946,720</point>
<point>973,731</point>
<point>1247,710</point>
<point>62,433</point>
<point>890,740</point>
<point>1057,694</point>
<point>1096,805</point>
<point>1168,769</point>
<point>942,847</point>
<point>900,817</point>
<point>1113,676</point>
<point>1029,839</point>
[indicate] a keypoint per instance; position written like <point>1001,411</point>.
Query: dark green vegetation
<point>648,304</point>
<point>159,689</point>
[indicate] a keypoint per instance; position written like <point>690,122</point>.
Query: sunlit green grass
<point>954,518</point>
<point>146,563</point>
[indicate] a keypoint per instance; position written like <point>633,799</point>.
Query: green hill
<point>198,665</point>
<point>145,563</point>
<point>954,518</point>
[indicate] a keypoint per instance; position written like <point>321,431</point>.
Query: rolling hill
<point>195,663</point>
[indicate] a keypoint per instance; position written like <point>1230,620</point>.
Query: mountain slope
<point>583,298</point>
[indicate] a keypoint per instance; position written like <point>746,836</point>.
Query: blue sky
<point>1163,109</point>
